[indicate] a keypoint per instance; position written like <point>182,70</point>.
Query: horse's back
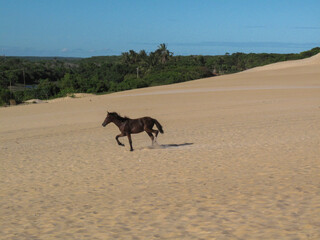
<point>143,122</point>
<point>139,124</point>
<point>147,121</point>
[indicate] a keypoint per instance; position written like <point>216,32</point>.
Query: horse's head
<point>107,120</point>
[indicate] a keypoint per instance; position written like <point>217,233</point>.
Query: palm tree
<point>152,59</point>
<point>163,53</point>
<point>143,56</point>
<point>125,57</point>
<point>133,56</point>
<point>142,62</point>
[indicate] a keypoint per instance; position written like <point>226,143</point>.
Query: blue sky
<point>84,28</point>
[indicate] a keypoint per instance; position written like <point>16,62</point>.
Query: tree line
<point>44,78</point>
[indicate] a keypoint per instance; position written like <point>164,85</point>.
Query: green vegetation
<point>44,78</point>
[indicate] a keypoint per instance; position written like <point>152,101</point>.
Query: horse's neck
<point>118,122</point>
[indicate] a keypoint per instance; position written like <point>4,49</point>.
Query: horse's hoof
<point>131,150</point>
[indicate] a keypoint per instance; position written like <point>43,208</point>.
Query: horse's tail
<point>158,125</point>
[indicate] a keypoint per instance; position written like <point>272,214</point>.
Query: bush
<point>19,96</point>
<point>68,82</point>
<point>65,92</point>
<point>4,96</point>
<point>46,89</point>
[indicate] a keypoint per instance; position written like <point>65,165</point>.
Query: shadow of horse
<point>166,146</point>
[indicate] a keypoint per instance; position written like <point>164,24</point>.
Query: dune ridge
<point>239,160</point>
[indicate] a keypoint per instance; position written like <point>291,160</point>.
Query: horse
<point>129,126</point>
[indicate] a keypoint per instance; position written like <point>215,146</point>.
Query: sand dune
<point>240,159</point>
<point>314,60</point>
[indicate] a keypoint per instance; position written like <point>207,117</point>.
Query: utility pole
<point>137,72</point>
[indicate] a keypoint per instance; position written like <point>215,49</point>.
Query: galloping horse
<point>129,126</point>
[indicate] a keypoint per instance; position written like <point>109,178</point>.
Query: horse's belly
<point>137,130</point>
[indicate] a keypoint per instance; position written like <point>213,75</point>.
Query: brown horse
<point>129,126</point>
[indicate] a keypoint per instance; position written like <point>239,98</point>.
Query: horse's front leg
<point>117,138</point>
<point>130,141</point>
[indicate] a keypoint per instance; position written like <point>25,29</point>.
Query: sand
<point>239,159</point>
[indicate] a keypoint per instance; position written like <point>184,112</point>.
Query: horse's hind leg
<point>117,138</point>
<point>156,132</point>
<point>151,136</point>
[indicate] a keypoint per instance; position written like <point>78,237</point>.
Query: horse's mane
<point>115,114</point>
